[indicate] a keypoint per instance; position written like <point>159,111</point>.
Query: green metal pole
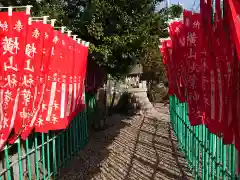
<point>218,152</point>
<point>7,163</point>
<point>48,157</point>
<point>20,160</point>
<point>207,134</point>
<point>203,154</point>
<point>43,157</point>
<point>213,155</point>
<point>36,157</point>
<point>54,156</point>
<point>233,161</point>
<point>28,160</point>
<point>224,162</point>
<point>197,155</point>
<point>185,128</point>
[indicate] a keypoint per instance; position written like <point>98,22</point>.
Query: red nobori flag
<point>166,49</point>
<point>216,64</point>
<point>60,102</point>
<point>48,47</point>
<point>177,57</point>
<point>236,116</point>
<point>78,73</point>
<point>29,79</point>
<point>5,31</point>
<point>45,115</point>
<point>70,89</point>
<point>231,73</point>
<point>233,10</point>
<point>12,53</point>
<point>75,68</point>
<point>181,55</point>
<point>230,65</point>
<point>231,131</point>
<point>84,57</point>
<point>43,57</point>
<point>220,62</point>
<point>229,49</point>
<point>192,24</point>
<point>66,79</point>
<point>76,78</point>
<point>172,73</point>
<point>209,72</point>
<point>162,51</point>
<point>5,19</point>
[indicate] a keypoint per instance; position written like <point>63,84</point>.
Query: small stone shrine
<point>137,87</point>
<point>133,78</point>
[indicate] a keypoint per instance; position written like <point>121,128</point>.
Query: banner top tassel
<point>78,40</point>
<point>28,9</point>
<point>63,29</point>
<point>53,22</point>
<point>10,9</point>
<point>69,33</point>
<point>45,19</point>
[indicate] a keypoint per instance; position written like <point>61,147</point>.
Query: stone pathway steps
<point>137,148</point>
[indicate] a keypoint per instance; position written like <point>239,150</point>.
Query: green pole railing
<point>208,157</point>
<point>42,156</point>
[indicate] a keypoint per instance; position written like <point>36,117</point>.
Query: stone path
<point>141,147</point>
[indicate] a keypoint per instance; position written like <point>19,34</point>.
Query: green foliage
<point>122,32</point>
<point>175,11</point>
<point>151,58</point>
<point>55,9</point>
<point>119,31</point>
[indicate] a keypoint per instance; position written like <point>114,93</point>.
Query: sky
<point>188,4</point>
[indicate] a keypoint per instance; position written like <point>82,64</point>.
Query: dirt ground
<point>141,147</point>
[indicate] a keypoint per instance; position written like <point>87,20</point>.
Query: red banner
<point>42,75</point>
<point>13,38</point>
<point>233,7</point>
<point>178,48</point>
<point>192,23</point>
<point>207,64</point>
<point>29,80</point>
<point>47,32</point>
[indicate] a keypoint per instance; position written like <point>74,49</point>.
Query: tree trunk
<point>113,98</point>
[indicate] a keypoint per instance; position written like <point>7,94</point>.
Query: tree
<point>175,11</point>
<point>122,33</point>
<point>151,58</point>
<point>153,68</point>
<point>117,30</point>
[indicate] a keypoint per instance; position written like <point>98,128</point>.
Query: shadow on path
<point>141,147</point>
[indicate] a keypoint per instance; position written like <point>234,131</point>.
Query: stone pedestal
<point>142,98</point>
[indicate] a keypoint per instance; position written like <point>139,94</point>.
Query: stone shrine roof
<point>137,69</point>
